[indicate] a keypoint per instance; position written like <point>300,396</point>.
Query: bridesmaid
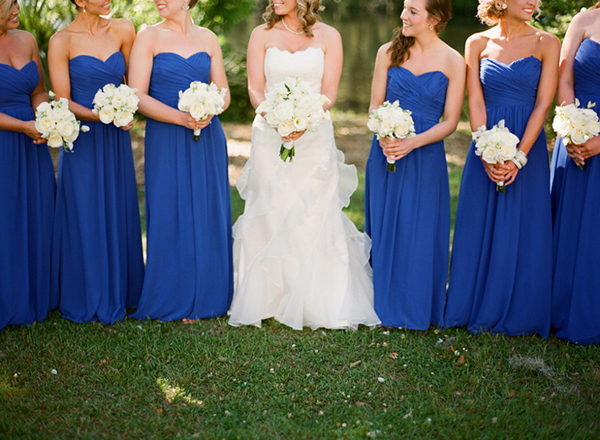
<point>27,182</point>
<point>407,213</point>
<point>501,272</point>
<point>97,261</point>
<point>575,299</point>
<point>189,272</point>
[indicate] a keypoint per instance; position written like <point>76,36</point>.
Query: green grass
<point>141,380</point>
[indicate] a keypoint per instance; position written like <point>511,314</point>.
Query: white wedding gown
<point>297,256</point>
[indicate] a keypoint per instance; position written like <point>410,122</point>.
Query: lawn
<point>207,380</point>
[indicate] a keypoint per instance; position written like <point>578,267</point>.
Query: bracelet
<point>517,163</point>
<point>521,157</point>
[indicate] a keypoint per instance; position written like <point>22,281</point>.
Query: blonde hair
<point>5,6</point>
<point>307,12</point>
<point>400,47</point>
<point>490,12</point>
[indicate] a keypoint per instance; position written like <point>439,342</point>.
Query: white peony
<point>285,127</point>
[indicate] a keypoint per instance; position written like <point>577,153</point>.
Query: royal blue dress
<point>407,213</point>
<point>501,270</point>
<point>189,267</point>
<point>97,260</point>
<point>576,287</point>
<point>27,188</point>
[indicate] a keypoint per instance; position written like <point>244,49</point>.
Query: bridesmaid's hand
<point>30,130</point>
<point>494,173</point>
<point>396,148</point>
<point>509,171</point>
<point>128,126</point>
<point>579,153</point>
<point>192,124</point>
<point>293,136</point>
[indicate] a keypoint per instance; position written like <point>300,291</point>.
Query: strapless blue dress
<point>501,270</point>
<point>189,266</point>
<point>27,187</point>
<point>407,213</point>
<point>97,260</point>
<point>576,287</point>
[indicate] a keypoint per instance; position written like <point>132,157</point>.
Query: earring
<point>430,27</point>
<point>84,9</point>
<point>504,6</point>
<point>185,7</point>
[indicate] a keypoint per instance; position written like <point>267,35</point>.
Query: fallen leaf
<point>354,364</point>
<point>510,395</point>
<point>461,359</point>
<point>393,356</point>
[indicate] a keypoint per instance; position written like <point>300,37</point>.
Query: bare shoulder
<point>207,33</point>
<point>384,48</point>
<point>453,57</point>
<point>25,38</point>
<point>122,25</point>
<point>547,41</point>
<point>479,40</point>
<point>326,31</point>
<point>148,34</point>
<point>585,18</point>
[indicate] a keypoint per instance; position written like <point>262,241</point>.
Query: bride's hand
<point>293,136</point>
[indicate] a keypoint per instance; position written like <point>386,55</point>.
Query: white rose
<point>62,113</point>
<point>132,102</point>
<point>44,107</point>
<point>109,90</point>
<point>66,128</point>
<point>285,128</point>
<point>45,125</point>
<point>197,111</point>
<point>271,119</point>
<point>118,100</point>
<point>402,130</point>
<point>385,128</point>
<point>263,106</point>
<point>185,101</point>
<point>106,114</point>
<point>373,124</point>
<point>490,155</point>
<point>122,119</point>
<point>55,140</point>
<point>507,152</point>
<point>284,111</point>
<point>578,137</point>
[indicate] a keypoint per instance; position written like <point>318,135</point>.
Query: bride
<point>297,257</point>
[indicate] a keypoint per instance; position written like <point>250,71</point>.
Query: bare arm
<point>334,60</point>
<point>379,85</point>
<point>128,35</point>
<point>217,68</point>
<point>255,65</point>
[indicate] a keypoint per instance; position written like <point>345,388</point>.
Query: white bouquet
<point>576,125</point>
<point>202,100</point>
<point>116,104</point>
<point>497,145</point>
<point>57,123</point>
<point>391,121</point>
<point>293,107</point>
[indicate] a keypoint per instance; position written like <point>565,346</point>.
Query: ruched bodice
<point>89,74</point>
<point>307,64</point>
<point>15,94</point>
<point>172,73</point>
<point>509,85</point>
<point>424,95</point>
<point>585,68</point>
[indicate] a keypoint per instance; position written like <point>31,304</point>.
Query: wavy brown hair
<point>596,6</point>
<point>400,47</point>
<point>307,12</point>
<point>490,11</point>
